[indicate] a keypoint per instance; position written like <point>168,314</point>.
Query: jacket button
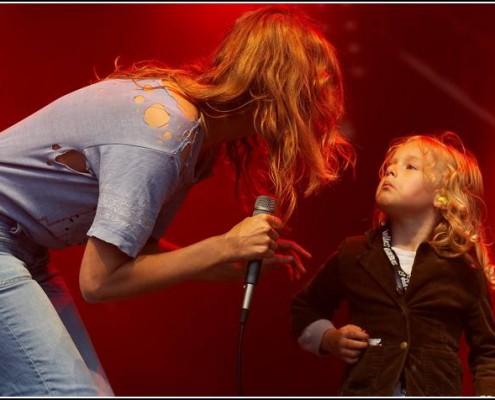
<point>403,345</point>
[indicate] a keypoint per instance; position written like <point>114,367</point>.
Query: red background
<point>407,68</point>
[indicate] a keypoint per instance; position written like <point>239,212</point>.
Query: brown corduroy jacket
<point>420,330</point>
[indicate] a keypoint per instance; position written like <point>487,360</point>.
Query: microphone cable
<point>239,360</point>
<point>242,323</point>
<point>263,205</point>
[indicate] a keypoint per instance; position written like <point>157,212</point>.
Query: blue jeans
<point>44,347</point>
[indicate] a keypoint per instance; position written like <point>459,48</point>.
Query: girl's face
<point>404,189</point>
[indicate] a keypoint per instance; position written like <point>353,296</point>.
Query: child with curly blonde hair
<point>414,283</point>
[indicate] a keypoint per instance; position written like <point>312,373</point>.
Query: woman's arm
<point>108,274</point>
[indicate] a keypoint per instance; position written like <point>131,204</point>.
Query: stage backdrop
<point>407,68</point>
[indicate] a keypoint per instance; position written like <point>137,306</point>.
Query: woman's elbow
<point>92,291</point>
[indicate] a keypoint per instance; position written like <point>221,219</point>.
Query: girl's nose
<point>390,171</point>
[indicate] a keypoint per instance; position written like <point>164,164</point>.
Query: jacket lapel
<point>376,264</point>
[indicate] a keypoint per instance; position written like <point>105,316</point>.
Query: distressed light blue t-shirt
<point>137,149</point>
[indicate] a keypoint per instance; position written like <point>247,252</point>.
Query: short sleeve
<point>134,182</point>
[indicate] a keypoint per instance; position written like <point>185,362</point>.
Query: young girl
<point>414,284</point>
<point>109,164</point>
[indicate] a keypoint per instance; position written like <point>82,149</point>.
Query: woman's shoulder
<point>152,92</point>
<point>127,111</point>
<point>185,105</point>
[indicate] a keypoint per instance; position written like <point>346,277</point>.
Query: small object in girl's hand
<point>375,341</point>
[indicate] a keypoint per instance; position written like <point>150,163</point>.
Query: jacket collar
<point>377,265</point>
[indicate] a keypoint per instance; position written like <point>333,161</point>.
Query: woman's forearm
<point>107,275</point>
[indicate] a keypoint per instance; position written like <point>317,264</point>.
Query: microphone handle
<point>263,205</point>
<point>252,274</point>
<point>253,271</point>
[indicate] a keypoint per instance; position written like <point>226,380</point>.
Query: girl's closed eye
<point>411,166</point>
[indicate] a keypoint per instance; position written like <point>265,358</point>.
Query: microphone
<point>263,205</point>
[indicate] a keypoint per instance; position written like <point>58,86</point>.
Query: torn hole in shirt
<point>74,160</point>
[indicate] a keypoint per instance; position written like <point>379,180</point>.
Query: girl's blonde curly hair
<point>455,173</point>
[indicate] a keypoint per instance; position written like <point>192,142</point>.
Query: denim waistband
<point>6,221</point>
<point>14,240</point>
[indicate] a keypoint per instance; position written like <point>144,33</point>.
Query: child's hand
<point>346,343</point>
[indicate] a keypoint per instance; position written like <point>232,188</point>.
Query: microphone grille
<point>264,205</point>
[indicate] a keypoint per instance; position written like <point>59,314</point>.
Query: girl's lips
<point>387,185</point>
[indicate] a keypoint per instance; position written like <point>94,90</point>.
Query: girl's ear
<point>441,201</point>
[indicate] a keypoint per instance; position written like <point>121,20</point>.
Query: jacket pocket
<point>442,373</point>
<point>362,375</point>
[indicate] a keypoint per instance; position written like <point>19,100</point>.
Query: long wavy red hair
<point>275,60</point>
